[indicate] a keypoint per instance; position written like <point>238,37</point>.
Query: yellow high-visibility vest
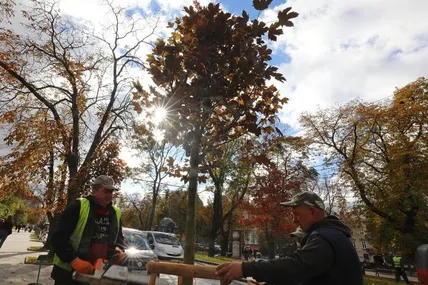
<point>76,237</point>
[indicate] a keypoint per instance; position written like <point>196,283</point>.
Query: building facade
<point>362,240</point>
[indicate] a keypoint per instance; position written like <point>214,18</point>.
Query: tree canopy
<point>65,93</point>
<point>211,75</point>
<point>381,150</point>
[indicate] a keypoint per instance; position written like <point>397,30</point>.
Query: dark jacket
<point>327,256</point>
<point>61,238</point>
<point>6,227</point>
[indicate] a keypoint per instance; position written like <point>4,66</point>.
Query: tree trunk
<point>224,243</point>
<point>271,249</point>
<point>211,243</point>
<point>149,224</point>
<point>217,218</point>
<point>53,226</point>
<point>189,246</point>
<point>73,183</point>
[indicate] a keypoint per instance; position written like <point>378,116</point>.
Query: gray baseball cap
<point>106,181</point>
<point>305,199</point>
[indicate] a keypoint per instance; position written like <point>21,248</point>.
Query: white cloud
<point>343,49</point>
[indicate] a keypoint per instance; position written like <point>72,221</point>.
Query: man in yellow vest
<point>399,270</point>
<point>90,228</point>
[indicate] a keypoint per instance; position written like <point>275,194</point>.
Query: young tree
<point>211,75</point>
<point>381,150</point>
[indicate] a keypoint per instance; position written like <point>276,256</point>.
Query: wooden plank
<point>152,280</point>
<point>181,269</point>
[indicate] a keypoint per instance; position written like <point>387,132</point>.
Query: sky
<point>337,51</point>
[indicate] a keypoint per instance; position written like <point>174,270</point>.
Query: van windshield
<point>136,240</point>
<point>166,239</point>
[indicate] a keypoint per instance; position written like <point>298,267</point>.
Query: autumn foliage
<point>263,210</point>
<point>381,149</point>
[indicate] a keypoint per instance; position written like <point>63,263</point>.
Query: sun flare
<point>159,114</point>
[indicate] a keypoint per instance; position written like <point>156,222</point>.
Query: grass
<point>33,260</point>
<point>218,259</point>
<point>370,280</point>
<point>37,248</point>
<point>34,237</point>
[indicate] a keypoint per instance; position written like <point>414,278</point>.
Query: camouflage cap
<point>106,181</point>
<point>306,199</point>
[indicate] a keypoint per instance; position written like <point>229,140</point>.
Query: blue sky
<point>338,50</point>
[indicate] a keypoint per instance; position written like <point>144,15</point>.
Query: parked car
<point>165,245</point>
<point>137,250</point>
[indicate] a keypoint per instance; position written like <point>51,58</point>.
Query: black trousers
<point>400,272</point>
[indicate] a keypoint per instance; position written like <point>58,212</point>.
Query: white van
<point>164,245</point>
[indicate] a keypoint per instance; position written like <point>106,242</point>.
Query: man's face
<point>303,216</point>
<point>103,196</point>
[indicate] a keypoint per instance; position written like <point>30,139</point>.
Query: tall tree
<point>135,210</point>
<point>282,176</point>
<point>77,78</point>
<point>211,75</point>
<point>230,168</point>
<point>333,192</point>
<point>381,149</point>
<point>264,212</point>
<point>156,156</point>
<point>174,205</point>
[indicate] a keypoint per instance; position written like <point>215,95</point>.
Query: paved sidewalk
<point>12,256</point>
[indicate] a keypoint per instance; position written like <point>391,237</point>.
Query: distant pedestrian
<point>399,270</point>
<point>18,228</point>
<point>376,268</point>
<point>5,229</point>
<point>246,253</point>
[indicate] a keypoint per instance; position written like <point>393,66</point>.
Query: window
<point>150,238</point>
<point>136,240</point>
<point>353,242</point>
<point>363,244</point>
<point>165,238</point>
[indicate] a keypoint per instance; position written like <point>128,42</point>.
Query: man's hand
<point>229,271</point>
<point>82,266</point>
<point>119,256</point>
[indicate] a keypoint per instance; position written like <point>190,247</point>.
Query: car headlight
<point>131,251</point>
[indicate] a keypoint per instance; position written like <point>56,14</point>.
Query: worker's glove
<point>82,266</point>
